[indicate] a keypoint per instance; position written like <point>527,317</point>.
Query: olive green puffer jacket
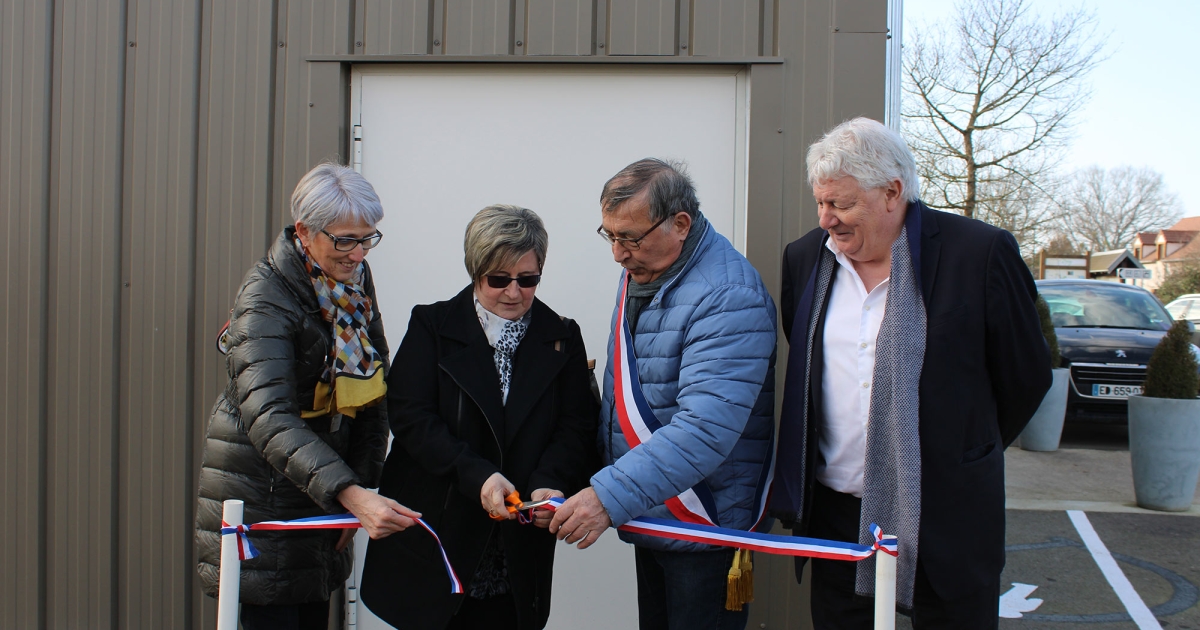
<point>259,450</point>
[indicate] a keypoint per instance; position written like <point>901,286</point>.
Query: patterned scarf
<point>504,335</point>
<point>353,376</point>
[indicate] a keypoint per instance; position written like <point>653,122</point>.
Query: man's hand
<point>541,517</point>
<point>582,519</point>
<point>379,515</point>
<point>492,495</point>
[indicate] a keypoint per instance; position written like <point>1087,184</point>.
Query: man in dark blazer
<point>916,358</point>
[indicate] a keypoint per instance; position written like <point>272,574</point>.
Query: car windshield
<point>1082,306</point>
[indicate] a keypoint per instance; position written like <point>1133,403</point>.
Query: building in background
<point>147,153</point>
<point>1164,251</point>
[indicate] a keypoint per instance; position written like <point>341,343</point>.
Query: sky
<point>1145,106</point>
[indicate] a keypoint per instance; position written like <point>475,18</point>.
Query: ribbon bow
<point>887,546</point>
<point>245,549</point>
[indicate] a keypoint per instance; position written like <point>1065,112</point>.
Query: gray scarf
<point>892,476</point>
<point>640,294</point>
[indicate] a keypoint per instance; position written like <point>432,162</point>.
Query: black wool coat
<point>986,369</point>
<point>451,432</point>
<point>258,448</point>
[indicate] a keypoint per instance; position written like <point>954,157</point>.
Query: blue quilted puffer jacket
<point>705,348</point>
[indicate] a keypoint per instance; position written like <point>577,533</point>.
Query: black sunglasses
<point>348,243</point>
<point>525,282</point>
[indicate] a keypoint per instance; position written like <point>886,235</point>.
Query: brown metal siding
<point>159,183</point>
<point>559,27</point>
<point>477,27</point>
<point>25,96</point>
<point>397,27</point>
<point>148,149</point>
<point>725,28</point>
<point>642,27</point>
<point>84,250</point>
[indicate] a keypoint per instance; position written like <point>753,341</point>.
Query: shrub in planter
<point>1171,371</point>
<point>1045,427</point>
<point>1164,426</point>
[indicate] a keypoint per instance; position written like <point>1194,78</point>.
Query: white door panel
<point>440,143</point>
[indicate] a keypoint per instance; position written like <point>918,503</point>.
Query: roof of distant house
<point>1189,224</point>
<point>1106,263</point>
<point>1177,236</point>
<point>1146,238</point>
<point>1191,251</point>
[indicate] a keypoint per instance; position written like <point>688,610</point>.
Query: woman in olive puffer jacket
<point>301,430</point>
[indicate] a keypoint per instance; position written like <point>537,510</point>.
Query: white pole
<point>885,590</point>
<point>231,569</point>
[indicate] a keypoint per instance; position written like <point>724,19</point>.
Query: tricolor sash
<point>638,424</point>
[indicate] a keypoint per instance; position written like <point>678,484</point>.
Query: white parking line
<point>1116,578</point>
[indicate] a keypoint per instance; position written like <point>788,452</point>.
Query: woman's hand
<point>379,515</point>
<point>492,495</point>
<point>541,517</point>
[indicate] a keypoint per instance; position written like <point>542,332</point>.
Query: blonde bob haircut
<point>499,236</point>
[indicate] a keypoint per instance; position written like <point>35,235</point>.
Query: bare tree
<point>989,97</point>
<point>1105,209</point>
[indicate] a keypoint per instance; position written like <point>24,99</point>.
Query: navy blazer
<point>986,369</point>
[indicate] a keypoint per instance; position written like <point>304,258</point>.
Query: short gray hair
<point>866,150</point>
<point>671,191</point>
<point>332,193</point>
<point>499,236</point>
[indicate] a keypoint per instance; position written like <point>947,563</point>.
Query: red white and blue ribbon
<point>638,423</point>
<point>754,541</point>
<point>338,521</point>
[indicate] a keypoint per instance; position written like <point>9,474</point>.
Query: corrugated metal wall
<point>147,152</point>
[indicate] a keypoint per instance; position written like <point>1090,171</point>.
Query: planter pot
<point>1164,445</point>
<point>1045,427</point>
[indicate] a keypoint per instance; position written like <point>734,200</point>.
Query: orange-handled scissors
<point>514,505</point>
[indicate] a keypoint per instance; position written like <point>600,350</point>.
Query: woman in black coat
<point>288,436</point>
<point>489,394</point>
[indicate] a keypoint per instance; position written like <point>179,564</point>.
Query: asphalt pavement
<point>1081,554</point>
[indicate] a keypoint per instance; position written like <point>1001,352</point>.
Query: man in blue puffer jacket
<point>687,419</point>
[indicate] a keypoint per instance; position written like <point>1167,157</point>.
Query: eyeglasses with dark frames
<point>348,243</point>
<point>630,243</point>
<point>502,282</point>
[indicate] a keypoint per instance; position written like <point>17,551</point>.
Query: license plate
<point>1116,391</point>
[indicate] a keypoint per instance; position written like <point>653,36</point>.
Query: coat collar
<point>931,246</point>
<point>286,260</point>
<point>473,368</point>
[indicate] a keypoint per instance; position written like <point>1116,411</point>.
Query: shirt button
<point>862,345</point>
<point>866,385</point>
<point>866,308</point>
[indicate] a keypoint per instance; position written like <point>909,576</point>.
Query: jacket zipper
<point>461,391</point>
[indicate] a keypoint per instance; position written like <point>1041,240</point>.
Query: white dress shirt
<point>851,326</point>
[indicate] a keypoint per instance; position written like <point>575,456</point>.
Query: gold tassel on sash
<point>739,584</point>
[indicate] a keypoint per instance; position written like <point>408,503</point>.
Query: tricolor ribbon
<point>766,543</point>
<point>337,521</point>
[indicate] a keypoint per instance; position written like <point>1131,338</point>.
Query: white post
<point>231,569</point>
<point>885,590</point>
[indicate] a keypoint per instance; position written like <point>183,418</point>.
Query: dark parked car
<point>1106,332</point>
